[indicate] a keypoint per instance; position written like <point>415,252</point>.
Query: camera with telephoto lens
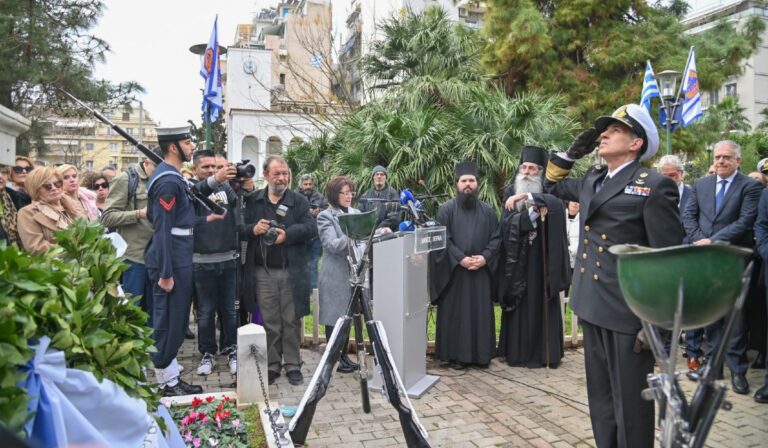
<point>270,237</point>
<point>245,170</point>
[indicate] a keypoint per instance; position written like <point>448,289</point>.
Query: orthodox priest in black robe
<point>534,267</point>
<point>461,276</point>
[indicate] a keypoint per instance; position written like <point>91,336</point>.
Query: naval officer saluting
<point>169,256</point>
<point>621,203</point>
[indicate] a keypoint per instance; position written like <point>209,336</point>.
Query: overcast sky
<point>150,43</point>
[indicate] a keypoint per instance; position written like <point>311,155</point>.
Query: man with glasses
<point>723,207</point>
<point>169,256</point>
<point>279,226</point>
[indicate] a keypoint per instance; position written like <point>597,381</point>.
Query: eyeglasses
<point>50,186</point>
<point>22,169</point>
<point>351,194</point>
<point>104,185</point>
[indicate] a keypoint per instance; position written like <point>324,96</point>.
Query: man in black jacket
<point>317,203</point>
<point>376,197</point>
<point>621,202</point>
<point>279,226</point>
<point>214,268</point>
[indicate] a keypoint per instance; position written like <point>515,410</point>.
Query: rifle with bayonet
<point>204,200</point>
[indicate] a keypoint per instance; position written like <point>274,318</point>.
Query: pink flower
<point>188,436</point>
<point>196,442</point>
<point>226,398</point>
<point>236,423</point>
<point>185,422</point>
<point>205,419</point>
<point>193,416</point>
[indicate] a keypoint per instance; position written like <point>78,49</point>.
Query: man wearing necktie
<point>723,207</point>
<point>621,202</point>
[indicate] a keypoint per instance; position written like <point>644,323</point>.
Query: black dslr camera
<point>270,237</point>
<point>244,170</point>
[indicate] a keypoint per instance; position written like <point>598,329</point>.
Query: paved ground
<point>500,406</point>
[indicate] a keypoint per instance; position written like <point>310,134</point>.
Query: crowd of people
<point>552,238</point>
<point>37,199</point>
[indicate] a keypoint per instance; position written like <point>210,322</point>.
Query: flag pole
<point>208,144</point>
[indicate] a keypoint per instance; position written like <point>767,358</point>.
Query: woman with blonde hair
<point>51,210</point>
<point>84,197</point>
<point>18,176</point>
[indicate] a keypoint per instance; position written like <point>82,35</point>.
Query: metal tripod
<point>359,312</point>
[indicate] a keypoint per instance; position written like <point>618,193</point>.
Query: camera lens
<point>245,170</point>
<point>270,237</point>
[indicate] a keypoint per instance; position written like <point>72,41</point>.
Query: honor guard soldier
<point>169,256</point>
<point>621,202</point>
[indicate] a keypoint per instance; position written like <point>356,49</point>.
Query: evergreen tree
<point>594,51</point>
<point>47,46</point>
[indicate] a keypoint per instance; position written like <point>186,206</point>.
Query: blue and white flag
<point>650,87</point>
<point>315,60</point>
<point>210,70</point>
<point>689,88</point>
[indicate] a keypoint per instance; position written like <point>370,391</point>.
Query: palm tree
<point>436,111</point>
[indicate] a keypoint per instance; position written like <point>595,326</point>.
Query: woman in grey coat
<point>333,281</point>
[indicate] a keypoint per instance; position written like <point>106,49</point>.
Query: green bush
<point>70,295</point>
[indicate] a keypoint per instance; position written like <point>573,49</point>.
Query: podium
<point>400,301</point>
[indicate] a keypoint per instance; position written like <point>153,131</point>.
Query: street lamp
<point>199,49</point>
<point>667,86</point>
<point>709,148</point>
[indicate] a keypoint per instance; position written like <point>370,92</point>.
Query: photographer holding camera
<point>279,230</point>
<point>214,268</point>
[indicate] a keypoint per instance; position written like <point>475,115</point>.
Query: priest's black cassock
<point>522,340</point>
<point>465,321</point>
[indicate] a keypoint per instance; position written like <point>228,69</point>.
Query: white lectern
<point>400,302</point>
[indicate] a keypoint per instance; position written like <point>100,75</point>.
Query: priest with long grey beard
<point>534,267</point>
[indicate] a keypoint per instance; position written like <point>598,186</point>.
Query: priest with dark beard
<point>461,283</point>
<point>534,267</point>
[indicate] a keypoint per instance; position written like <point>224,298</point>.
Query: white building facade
<point>751,87</point>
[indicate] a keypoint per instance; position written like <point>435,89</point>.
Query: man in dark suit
<point>672,167</point>
<point>723,207</point>
<point>621,203</point>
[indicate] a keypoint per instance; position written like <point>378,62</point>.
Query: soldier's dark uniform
<point>169,255</point>
<point>636,206</point>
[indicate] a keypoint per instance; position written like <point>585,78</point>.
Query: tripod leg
<point>414,432</point>
<point>363,372</point>
<point>318,386</point>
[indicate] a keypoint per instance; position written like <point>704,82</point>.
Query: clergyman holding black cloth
<point>461,275</point>
<point>534,268</point>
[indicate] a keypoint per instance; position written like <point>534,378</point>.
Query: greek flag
<point>315,60</point>
<point>689,88</point>
<point>650,87</point>
<point>210,70</point>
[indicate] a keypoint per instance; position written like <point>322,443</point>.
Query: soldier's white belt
<point>178,231</point>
